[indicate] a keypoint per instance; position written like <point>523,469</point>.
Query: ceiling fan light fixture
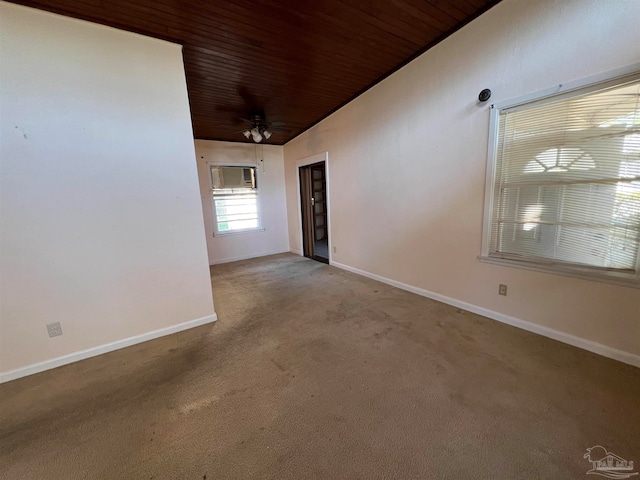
<point>256,128</point>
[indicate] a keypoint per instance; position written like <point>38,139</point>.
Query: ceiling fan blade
<point>235,111</point>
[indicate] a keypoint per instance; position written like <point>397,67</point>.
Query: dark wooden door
<point>307,212</point>
<point>313,201</point>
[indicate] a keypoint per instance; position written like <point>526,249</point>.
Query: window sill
<point>616,278</point>
<point>238,232</point>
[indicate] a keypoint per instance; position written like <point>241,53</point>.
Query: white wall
<point>408,163</point>
<point>100,210</point>
<point>274,238</point>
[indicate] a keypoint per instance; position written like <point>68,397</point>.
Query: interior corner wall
<point>408,162</point>
<point>274,236</point>
<point>101,223</point>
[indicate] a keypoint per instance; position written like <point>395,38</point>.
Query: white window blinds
<point>567,181</point>
<point>235,198</point>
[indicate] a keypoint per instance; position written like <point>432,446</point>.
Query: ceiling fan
<point>257,127</point>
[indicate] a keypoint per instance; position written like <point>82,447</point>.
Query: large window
<point>564,183</point>
<point>234,192</point>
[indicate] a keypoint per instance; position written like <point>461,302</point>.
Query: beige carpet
<point>313,372</point>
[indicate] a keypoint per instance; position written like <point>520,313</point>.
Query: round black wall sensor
<point>484,95</point>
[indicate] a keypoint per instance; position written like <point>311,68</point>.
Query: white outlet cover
<point>54,329</point>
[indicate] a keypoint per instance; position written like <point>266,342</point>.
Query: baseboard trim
<point>297,252</point>
<point>600,349</point>
<point>247,257</point>
<point>109,347</point>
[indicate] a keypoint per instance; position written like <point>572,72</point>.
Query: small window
<point>234,194</point>
<point>564,183</point>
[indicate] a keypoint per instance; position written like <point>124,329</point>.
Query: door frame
<point>303,162</point>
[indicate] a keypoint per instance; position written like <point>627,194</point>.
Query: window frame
<point>559,92</point>
<point>226,233</point>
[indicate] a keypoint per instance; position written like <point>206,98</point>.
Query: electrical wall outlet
<point>502,290</point>
<point>334,249</point>
<point>54,329</point>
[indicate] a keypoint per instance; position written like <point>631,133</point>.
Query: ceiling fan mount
<point>257,118</point>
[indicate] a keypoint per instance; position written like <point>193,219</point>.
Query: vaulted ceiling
<point>296,61</point>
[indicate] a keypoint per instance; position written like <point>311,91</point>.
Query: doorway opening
<point>315,215</point>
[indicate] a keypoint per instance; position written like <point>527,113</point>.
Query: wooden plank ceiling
<point>297,61</point>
